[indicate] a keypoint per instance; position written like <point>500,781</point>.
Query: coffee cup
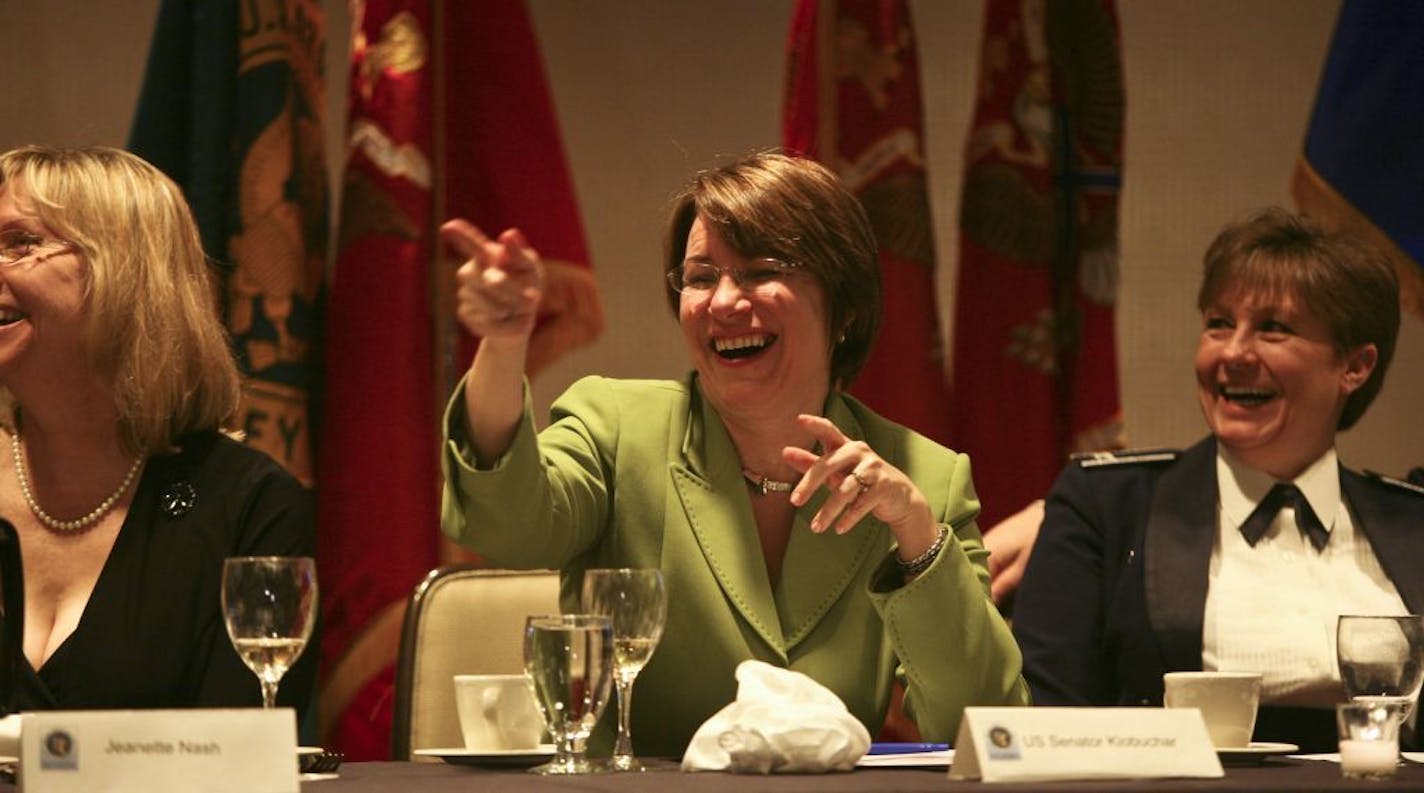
<point>497,712</point>
<point>1227,701</point>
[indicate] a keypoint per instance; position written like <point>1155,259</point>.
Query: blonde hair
<point>153,332</point>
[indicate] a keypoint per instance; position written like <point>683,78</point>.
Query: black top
<point>152,634</point>
<point>1115,592</point>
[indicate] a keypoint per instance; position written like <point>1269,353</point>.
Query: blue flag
<point>231,108</point>
<point>1363,164</point>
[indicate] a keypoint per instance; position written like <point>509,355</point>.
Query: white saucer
<point>306,751</point>
<point>498,757</point>
<point>1256,752</point>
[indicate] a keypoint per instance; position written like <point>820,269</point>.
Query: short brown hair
<point>796,210</point>
<point>1340,278</point>
<point>153,329</point>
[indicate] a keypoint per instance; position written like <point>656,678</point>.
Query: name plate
<point>1047,744</point>
<point>162,751</point>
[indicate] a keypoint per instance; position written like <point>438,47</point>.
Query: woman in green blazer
<point>792,524</point>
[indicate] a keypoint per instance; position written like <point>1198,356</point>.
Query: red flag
<point>377,501</point>
<point>505,166</point>
<point>1035,364</point>
<point>388,373</point>
<point>853,102</point>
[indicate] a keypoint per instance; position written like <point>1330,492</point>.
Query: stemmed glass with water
<point>269,604</point>
<point>636,601</point>
<point>569,658</point>
<point>1381,657</point>
<point>1381,660</point>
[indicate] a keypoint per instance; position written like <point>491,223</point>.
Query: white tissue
<point>781,722</point>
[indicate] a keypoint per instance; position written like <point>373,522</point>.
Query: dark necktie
<point>1285,495</point>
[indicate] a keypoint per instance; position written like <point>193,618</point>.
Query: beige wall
<point>1218,95</point>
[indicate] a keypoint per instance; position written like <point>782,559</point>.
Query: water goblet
<point>269,606</point>
<point>1381,658</point>
<point>569,658</point>
<point>636,601</point>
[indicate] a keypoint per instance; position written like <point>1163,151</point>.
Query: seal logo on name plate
<point>1001,744</point>
<point>58,752</point>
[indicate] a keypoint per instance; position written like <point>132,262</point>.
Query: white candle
<point>1370,758</point>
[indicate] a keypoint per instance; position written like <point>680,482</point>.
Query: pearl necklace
<point>22,474</point>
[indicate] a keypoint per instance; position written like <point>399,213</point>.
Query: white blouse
<point>1271,608</point>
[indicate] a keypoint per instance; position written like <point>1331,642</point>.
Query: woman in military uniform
<point>1239,553</point>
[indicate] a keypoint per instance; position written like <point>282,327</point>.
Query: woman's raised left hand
<point>859,483</point>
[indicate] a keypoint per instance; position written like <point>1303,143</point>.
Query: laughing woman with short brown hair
<point>793,524</point>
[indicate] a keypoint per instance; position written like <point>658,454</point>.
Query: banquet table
<point>1284,774</point>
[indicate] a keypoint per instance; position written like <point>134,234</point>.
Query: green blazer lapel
<point>709,484</point>
<point>819,568</point>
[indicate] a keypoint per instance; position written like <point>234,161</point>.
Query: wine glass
<point>637,603</point>
<point>269,605</point>
<point>1381,657</point>
<point>569,658</point>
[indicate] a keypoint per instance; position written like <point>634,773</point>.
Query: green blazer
<point>636,473</point>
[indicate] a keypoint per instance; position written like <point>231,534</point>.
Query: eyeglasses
<point>698,278</point>
<point>17,244</point>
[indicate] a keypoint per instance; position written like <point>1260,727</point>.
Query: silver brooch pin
<point>178,499</point>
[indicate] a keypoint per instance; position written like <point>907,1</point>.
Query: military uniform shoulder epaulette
<point>1398,484</point>
<point>1125,457</point>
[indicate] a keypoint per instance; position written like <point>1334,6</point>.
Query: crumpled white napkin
<point>781,722</point>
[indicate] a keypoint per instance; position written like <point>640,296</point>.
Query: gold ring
<point>864,485</point>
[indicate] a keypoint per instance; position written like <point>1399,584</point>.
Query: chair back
<point>461,620</point>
